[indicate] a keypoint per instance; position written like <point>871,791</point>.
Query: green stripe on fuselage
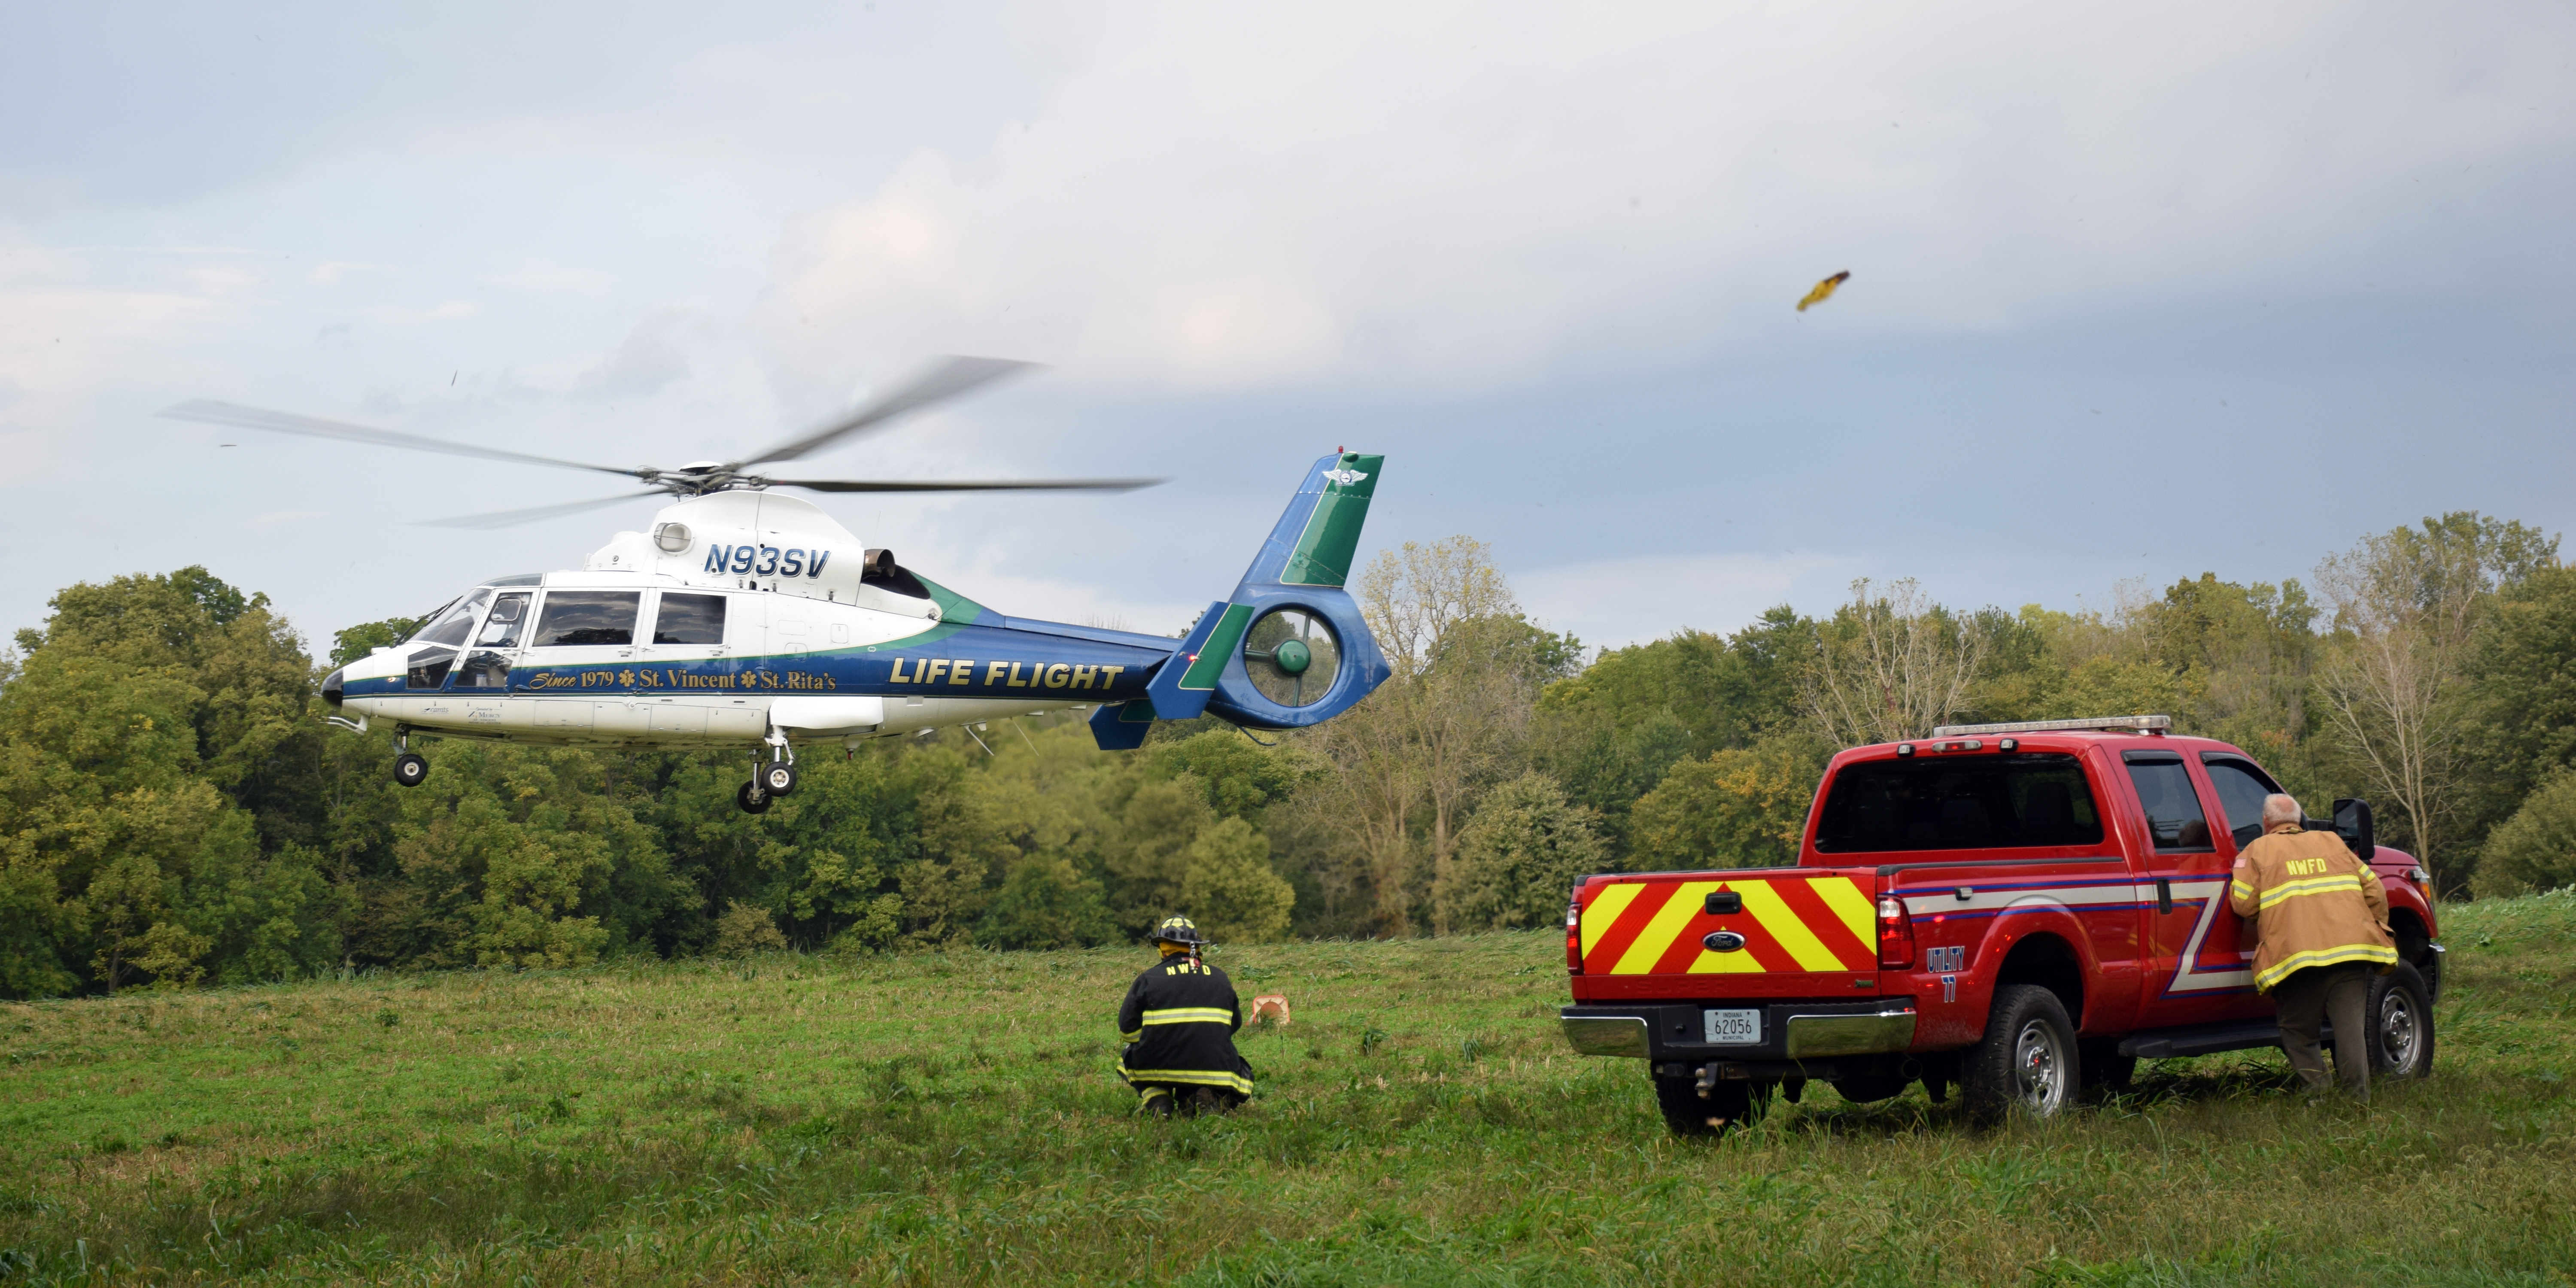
<point>1220,646</point>
<point>1332,535</point>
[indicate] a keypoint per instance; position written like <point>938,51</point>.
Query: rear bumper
<point>1790,1030</point>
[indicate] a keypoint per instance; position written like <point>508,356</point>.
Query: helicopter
<point>743,617</point>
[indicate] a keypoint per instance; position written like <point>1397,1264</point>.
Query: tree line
<point>174,812</point>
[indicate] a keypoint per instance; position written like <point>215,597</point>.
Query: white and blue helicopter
<point>748,618</point>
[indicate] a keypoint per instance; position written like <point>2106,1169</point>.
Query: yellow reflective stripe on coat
<point>1134,1035</point>
<point>1190,1015</point>
<point>1194,1077</point>
<point>2283,968</point>
<point>2311,885</point>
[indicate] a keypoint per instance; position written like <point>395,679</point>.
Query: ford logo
<point>1723,941</point>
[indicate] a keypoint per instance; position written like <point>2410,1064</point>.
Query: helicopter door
<point>688,653</point>
<point>496,646</point>
<point>583,649</point>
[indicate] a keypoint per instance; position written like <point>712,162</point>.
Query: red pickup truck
<point>2020,910</point>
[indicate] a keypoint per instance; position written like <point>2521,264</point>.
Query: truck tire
<point>2026,1061</point>
<point>1729,1104</point>
<point>2400,1011</point>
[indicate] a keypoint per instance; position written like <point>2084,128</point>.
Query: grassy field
<point>952,1118</point>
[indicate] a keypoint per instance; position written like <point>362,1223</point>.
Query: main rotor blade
<point>513,518</point>
<point>944,380</point>
<point>1014,485</point>
<point>224,413</point>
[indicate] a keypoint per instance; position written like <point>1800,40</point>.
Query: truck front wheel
<point>1728,1104</point>
<point>2401,1013</point>
<point>2027,1059</point>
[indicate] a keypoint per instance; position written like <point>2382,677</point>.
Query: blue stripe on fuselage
<point>969,662</point>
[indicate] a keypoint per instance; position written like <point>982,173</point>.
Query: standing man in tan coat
<point>2322,919</point>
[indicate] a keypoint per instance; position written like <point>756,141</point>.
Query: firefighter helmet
<point>1178,930</point>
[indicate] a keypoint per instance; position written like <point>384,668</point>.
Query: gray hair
<point>2279,809</point>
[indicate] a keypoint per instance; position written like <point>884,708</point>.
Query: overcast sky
<point>2135,292</point>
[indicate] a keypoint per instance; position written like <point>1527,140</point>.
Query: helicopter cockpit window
<point>689,619</point>
<point>588,617</point>
<point>451,626</point>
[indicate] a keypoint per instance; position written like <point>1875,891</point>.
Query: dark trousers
<point>2307,999</point>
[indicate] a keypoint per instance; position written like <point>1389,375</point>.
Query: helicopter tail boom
<point>1290,647</point>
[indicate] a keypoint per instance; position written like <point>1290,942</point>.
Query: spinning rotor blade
<point>944,380</point>
<point>224,413</point>
<point>1028,485</point>
<point>513,518</point>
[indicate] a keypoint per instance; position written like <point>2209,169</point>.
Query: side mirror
<point>2352,823</point>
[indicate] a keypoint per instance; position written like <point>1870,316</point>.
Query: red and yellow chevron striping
<point>1654,927</point>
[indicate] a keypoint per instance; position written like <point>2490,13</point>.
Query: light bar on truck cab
<point>2157,724</point>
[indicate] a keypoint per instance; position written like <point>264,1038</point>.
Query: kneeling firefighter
<point>1178,1022</point>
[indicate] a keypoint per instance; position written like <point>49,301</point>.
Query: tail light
<point>1574,932</point>
<point>1895,933</point>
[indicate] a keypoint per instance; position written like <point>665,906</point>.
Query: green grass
<point>952,1118</point>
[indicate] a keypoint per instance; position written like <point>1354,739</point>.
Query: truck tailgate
<point>1792,921</point>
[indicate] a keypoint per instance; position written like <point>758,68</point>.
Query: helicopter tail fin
<point>1300,569</point>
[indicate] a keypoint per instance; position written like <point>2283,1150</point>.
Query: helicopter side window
<point>689,619</point>
<point>588,617</point>
<point>429,668</point>
<point>508,619</point>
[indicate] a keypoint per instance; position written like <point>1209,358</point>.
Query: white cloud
<point>396,315</point>
<point>1451,196</point>
<point>67,342</point>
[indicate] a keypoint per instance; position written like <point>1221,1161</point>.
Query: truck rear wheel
<point>2027,1059</point>
<point>1728,1104</point>
<point>2400,1011</point>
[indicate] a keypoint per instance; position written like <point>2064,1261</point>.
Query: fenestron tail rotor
<point>944,379</point>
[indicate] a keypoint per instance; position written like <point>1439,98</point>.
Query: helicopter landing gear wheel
<point>752,799</point>
<point>777,778</point>
<point>411,769</point>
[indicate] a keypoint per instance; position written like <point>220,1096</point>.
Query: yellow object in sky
<point>1824,290</point>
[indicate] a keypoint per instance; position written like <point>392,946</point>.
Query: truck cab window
<point>1967,802</point>
<point>587,617</point>
<point>2172,807</point>
<point>2241,789</point>
<point>689,619</point>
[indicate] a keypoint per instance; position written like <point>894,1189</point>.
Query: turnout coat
<point>1179,1021</point>
<point>2312,903</point>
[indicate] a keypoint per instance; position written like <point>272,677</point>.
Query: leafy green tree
<point>2522,686</point>
<point>2536,848</point>
<point>503,847</point>
<point>1226,884</point>
<point>1517,858</point>
<point>1046,902</point>
<point>1738,808</point>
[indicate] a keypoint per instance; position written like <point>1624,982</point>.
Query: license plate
<point>1734,1028</point>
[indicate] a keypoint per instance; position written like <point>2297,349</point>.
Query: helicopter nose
<point>331,689</point>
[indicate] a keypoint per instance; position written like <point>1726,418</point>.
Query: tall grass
<point>953,1117</point>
